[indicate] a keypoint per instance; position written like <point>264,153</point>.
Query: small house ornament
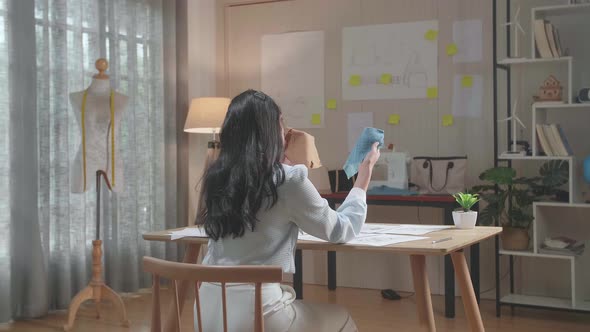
<point>550,90</point>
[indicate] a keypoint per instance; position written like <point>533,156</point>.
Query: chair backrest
<point>196,273</point>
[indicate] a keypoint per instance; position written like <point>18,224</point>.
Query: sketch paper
<point>357,122</point>
<point>376,240</point>
<point>389,61</point>
<point>402,229</point>
<point>188,232</point>
<point>467,96</point>
<point>381,240</point>
<point>292,73</point>
<point>467,35</point>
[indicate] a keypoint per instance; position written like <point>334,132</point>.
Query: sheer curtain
<point>46,231</point>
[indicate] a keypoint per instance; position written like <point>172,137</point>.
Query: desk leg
<point>331,270</point>
<point>449,275</point>
<point>298,276</point>
<point>474,258</point>
<point>332,259</point>
<point>423,299</point>
<point>467,294</point>
<point>190,256</point>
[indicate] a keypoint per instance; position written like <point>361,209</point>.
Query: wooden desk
<point>417,250</point>
<point>445,202</point>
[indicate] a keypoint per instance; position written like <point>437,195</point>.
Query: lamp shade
<point>206,115</point>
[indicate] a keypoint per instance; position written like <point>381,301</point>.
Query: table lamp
<point>205,116</point>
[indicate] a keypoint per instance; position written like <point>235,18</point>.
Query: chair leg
<point>109,294</point>
<point>190,256</point>
<point>467,293</point>
<point>81,297</point>
<point>422,288</point>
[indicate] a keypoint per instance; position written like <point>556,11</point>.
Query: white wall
<point>201,83</point>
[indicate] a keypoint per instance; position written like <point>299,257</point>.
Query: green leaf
<point>482,188</point>
<point>554,173</point>
<point>487,216</point>
<point>498,175</point>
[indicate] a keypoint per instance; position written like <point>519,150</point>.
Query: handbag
<point>339,182</point>
<point>439,175</point>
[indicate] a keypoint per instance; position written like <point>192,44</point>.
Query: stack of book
<point>552,140</point>
<point>562,246</point>
<point>547,40</point>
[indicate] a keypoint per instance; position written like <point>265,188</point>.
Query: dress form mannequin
<point>96,109</point>
<point>98,140</point>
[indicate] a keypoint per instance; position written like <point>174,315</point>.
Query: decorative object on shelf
<point>465,218</point>
<point>551,90</point>
<point>562,245</point>
<point>515,23</point>
<point>587,169</point>
<point>513,119</point>
<point>524,146</point>
<point>510,198</point>
<point>583,95</point>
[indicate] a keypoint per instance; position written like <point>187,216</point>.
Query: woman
<point>254,208</point>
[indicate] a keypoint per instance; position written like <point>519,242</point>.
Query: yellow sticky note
<point>452,49</point>
<point>431,34</point>
<point>385,79</point>
<point>432,92</point>
<point>393,119</point>
<point>447,120</point>
<point>331,104</point>
<point>354,80</point>
<point>467,81</point>
<point>316,119</point>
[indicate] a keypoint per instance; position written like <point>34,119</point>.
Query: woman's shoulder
<point>295,175</point>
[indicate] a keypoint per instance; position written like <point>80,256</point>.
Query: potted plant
<point>465,218</point>
<point>509,199</point>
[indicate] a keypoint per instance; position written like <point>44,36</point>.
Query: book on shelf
<point>556,141</point>
<point>564,141</point>
<point>543,142</point>
<point>552,140</point>
<point>551,38</point>
<point>562,246</point>
<point>547,39</point>
<point>541,40</point>
<point>557,41</point>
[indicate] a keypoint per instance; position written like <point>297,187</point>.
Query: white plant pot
<point>465,220</point>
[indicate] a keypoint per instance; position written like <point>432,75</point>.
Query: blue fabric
<point>361,148</point>
<point>385,190</point>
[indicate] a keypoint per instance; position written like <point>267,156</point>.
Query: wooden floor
<point>369,310</point>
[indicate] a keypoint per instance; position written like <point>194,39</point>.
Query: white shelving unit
<point>540,61</point>
<point>551,219</point>
<point>570,219</point>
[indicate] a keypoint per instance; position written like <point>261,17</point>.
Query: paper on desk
<point>402,229</point>
<point>188,232</point>
<point>376,240</point>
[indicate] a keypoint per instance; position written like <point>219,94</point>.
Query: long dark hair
<point>248,171</point>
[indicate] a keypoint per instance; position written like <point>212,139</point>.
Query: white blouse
<point>299,206</point>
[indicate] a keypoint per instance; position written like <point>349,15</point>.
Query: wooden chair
<point>204,273</point>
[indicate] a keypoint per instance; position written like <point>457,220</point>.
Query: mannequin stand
<point>97,290</point>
